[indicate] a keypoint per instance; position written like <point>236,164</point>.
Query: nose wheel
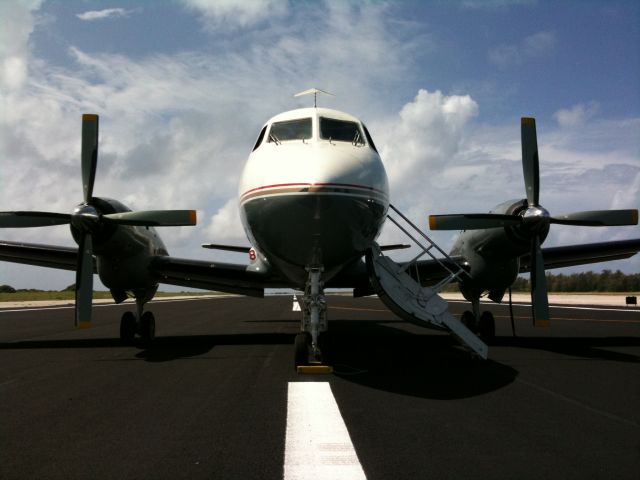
<point>302,345</point>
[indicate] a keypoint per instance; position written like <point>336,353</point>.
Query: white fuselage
<point>313,193</point>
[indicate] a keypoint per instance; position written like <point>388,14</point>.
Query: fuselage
<point>313,193</point>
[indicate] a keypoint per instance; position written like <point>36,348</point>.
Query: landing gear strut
<point>314,321</point>
<point>144,325</point>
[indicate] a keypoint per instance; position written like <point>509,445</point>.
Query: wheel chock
<point>314,369</point>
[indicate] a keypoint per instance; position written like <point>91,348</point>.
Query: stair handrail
<point>454,274</point>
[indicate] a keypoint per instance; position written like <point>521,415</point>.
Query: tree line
<point>605,281</point>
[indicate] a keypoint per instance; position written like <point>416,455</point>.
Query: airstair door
<point>414,303</point>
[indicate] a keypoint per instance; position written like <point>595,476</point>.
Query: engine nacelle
<point>124,253</point>
<point>491,254</point>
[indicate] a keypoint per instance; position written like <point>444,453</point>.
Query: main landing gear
<point>314,322</point>
<point>143,325</point>
<point>483,324</point>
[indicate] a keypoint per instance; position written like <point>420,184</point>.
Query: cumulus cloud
<point>94,15</point>
<point>16,24</point>
<point>534,46</point>
<point>225,225</point>
<point>576,115</point>
<point>426,136</point>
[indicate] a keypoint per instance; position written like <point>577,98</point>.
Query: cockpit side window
<point>369,139</point>
<point>260,138</point>
<point>340,131</point>
<point>299,129</point>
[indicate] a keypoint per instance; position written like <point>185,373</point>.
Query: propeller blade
<point>32,219</point>
<point>539,295</point>
<point>84,282</point>
<point>154,218</point>
<point>530,161</point>
<point>472,221</point>
<point>598,218</point>
<point>89,155</point>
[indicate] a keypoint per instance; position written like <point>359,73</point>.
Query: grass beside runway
<point>31,296</point>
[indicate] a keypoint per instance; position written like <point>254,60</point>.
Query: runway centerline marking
<point>317,445</point>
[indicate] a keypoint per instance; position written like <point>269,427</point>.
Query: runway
<point>212,397</point>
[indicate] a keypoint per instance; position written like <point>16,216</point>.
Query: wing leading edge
<point>207,275</point>
<point>51,256</point>
<point>572,255</point>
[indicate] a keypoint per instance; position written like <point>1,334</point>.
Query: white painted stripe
<point>562,307</point>
<point>317,443</point>
<point>296,305</point>
<point>71,307</point>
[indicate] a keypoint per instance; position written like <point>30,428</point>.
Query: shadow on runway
<point>378,355</point>
<point>163,349</point>
<point>586,347</point>
<point>166,349</point>
<point>428,366</point>
<point>65,343</point>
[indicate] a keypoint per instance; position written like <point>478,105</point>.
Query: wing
<point>208,275</point>
<point>218,276</point>
<point>51,256</point>
<point>558,257</point>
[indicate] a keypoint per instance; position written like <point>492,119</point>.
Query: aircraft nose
<point>341,167</point>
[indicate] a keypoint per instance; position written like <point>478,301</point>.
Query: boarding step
<point>415,303</point>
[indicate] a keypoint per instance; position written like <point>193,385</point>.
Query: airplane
<point>313,199</point>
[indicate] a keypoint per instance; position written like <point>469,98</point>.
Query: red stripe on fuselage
<point>281,185</point>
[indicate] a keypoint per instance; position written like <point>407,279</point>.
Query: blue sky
<point>183,87</point>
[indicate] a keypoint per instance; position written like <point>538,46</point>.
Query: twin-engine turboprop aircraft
<point>313,197</point>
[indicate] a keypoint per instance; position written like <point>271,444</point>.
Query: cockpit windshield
<point>299,129</point>
<point>340,131</point>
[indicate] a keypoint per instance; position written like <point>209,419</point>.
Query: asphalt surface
<point>209,398</point>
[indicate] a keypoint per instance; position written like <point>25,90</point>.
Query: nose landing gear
<point>314,322</point>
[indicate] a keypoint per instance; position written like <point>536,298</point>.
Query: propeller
<point>534,219</point>
<point>87,220</point>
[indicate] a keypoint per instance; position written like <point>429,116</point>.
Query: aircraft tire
<point>147,328</point>
<point>326,347</point>
<point>301,344</point>
<point>127,328</point>
<point>469,320</point>
<point>487,327</point>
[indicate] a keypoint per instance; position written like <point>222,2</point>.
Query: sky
<point>183,87</point>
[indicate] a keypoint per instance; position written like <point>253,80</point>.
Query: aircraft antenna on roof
<point>315,92</point>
